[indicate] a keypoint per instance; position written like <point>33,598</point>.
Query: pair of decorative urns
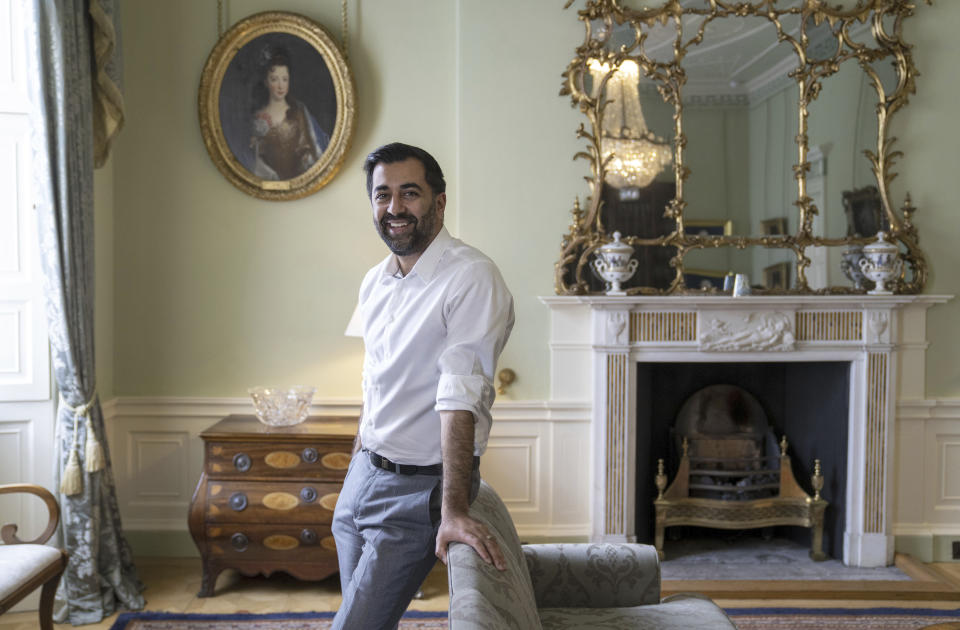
<point>878,261</point>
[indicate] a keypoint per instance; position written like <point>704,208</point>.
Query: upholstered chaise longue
<point>569,586</point>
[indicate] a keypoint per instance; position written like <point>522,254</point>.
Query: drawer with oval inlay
<point>316,460</point>
<point>303,543</point>
<point>293,502</point>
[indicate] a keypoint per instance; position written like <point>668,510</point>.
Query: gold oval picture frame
<point>277,106</point>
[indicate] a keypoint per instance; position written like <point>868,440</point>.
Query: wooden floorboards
<point>927,583</point>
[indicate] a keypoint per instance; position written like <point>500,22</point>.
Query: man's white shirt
<point>432,339</point>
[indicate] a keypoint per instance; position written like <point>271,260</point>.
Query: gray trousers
<point>385,525</point>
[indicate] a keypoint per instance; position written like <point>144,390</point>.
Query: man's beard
<point>419,237</point>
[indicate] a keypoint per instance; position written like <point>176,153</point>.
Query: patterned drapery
<point>71,58</point>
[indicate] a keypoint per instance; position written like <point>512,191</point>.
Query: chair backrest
<point>8,533</point>
<point>481,596</point>
<point>594,575</point>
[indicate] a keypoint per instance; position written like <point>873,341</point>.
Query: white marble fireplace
<point>597,343</point>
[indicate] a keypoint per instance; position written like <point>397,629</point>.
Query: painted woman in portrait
<point>285,138</point>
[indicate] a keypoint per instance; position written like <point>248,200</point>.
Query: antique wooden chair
<point>31,564</point>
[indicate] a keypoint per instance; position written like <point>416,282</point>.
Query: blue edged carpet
<point>841,618</point>
<point>267,621</point>
<point>745,618</point>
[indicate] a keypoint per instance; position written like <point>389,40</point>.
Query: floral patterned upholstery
<point>482,597</point>
<point>594,575</point>
<point>568,586</point>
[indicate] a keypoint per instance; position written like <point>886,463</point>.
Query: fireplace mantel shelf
<point>745,302</point>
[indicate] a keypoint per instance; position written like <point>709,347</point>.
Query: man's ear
<point>441,203</point>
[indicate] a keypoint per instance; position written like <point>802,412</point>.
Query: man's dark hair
<point>398,152</point>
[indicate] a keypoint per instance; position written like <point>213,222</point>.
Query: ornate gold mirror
<point>740,137</point>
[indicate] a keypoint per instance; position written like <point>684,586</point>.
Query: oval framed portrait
<point>277,106</point>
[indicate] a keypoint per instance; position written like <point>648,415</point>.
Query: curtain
<point>75,51</point>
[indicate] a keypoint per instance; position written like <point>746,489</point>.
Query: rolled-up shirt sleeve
<point>478,315</point>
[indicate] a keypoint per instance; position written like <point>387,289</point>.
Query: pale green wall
<point>214,291</point>
<point>217,291</point>
<point>929,136</point>
<point>517,176</point>
<point>103,264</point>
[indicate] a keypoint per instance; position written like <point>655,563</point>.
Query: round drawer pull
<point>239,541</point>
<point>308,494</point>
<point>310,455</point>
<point>308,537</point>
<point>238,501</point>
<point>242,462</point>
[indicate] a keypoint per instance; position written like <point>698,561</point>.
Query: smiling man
<point>436,315</point>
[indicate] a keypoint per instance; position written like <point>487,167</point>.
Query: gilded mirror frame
<point>885,18</point>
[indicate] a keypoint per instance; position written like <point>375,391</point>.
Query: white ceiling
<point>738,57</point>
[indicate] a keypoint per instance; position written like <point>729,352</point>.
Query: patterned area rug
<point>745,618</point>
<point>840,618</point>
<point>271,621</point>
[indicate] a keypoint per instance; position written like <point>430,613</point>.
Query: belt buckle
<point>384,463</point>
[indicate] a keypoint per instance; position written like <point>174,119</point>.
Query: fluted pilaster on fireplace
<point>868,539</point>
<point>614,427</point>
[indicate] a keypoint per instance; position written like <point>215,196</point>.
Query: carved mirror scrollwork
<point>709,130</point>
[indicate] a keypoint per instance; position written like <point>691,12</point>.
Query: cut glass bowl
<point>282,406</point>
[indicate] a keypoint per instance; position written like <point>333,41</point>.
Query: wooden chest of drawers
<point>266,496</point>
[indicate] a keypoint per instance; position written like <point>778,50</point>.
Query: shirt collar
<point>426,265</point>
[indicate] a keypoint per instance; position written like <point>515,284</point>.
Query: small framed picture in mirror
<point>777,276</point>
<point>277,105</point>
<point>704,279</point>
<point>708,227</point>
<point>774,227</point>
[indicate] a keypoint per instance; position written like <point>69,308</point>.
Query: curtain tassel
<point>72,482</point>
<point>93,459</point>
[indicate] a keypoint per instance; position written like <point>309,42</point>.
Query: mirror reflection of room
<point>705,136</point>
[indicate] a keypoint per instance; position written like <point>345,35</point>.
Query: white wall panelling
<point>15,439</point>
<point>928,476</point>
<point>949,465</point>
<point>26,456</point>
<point>536,458</point>
<point>928,457</point>
<point>512,464</point>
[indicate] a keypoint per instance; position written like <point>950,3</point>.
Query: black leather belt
<point>410,469</point>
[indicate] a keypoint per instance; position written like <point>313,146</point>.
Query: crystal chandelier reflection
<point>638,155</point>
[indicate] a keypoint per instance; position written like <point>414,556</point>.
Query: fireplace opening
<point>806,401</point>
<point>732,448</point>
